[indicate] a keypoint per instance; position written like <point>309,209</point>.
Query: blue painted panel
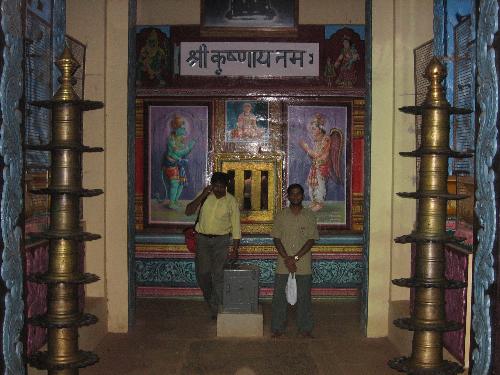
<point>42,8</point>
<point>11,89</point>
<point>180,273</point>
<point>337,274</point>
<point>176,239</point>
<point>58,33</point>
<point>486,149</point>
<point>38,86</point>
<point>455,9</point>
<point>438,26</point>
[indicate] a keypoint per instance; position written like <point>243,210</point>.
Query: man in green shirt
<point>219,218</point>
<point>294,233</point>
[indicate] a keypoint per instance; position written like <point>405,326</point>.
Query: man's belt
<point>212,235</point>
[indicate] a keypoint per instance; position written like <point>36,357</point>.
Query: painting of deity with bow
<point>318,145</point>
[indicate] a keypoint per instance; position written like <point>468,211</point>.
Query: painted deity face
<point>153,39</point>
<point>247,108</point>
<point>315,130</point>
<point>177,122</point>
<point>346,43</point>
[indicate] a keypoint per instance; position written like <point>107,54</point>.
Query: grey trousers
<point>280,305</point>
<point>211,254</point>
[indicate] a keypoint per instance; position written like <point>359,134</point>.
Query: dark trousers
<point>211,254</point>
<point>280,305</point>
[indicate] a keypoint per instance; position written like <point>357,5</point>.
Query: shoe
<point>306,335</point>
<point>276,335</point>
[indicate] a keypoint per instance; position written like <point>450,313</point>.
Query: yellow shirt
<point>220,216</point>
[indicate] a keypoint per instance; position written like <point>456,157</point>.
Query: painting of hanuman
<point>174,161</point>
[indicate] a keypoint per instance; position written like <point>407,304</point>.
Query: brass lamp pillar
<point>428,318</point>
<point>65,234</point>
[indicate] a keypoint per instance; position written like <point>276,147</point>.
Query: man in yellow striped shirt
<point>218,220</point>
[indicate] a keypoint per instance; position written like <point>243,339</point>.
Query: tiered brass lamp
<point>428,317</point>
<point>65,233</point>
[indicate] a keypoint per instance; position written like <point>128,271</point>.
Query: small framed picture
<point>154,56</point>
<point>246,121</point>
<point>249,18</point>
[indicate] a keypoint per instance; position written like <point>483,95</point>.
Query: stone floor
<point>177,337</point>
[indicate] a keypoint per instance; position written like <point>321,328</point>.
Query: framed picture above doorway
<point>249,18</point>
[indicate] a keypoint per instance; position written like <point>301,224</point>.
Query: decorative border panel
<point>328,274</point>
<point>486,149</point>
<point>11,89</point>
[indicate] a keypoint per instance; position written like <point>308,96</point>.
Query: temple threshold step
<point>231,324</point>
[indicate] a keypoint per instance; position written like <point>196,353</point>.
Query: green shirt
<point>294,231</point>
<point>220,216</point>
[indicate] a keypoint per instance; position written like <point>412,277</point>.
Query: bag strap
<point>199,211</point>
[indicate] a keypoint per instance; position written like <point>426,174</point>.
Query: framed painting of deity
<point>248,18</point>
<point>246,121</point>
<point>153,55</point>
<point>176,159</point>
<point>344,49</point>
<point>318,151</point>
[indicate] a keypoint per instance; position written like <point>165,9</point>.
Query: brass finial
<point>67,65</point>
<point>435,72</point>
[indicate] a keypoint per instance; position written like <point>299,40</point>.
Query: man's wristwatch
<point>296,257</point>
